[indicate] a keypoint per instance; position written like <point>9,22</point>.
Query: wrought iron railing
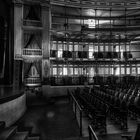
<point>92,135</point>
<point>77,110</point>
<point>32,52</point>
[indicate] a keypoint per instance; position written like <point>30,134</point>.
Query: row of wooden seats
<point>127,136</point>
<point>116,111</point>
<point>128,96</point>
<point>94,107</point>
<point>121,100</point>
<point>12,133</point>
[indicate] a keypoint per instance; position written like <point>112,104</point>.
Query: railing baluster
<point>81,122</point>
<point>77,106</point>
<point>92,133</point>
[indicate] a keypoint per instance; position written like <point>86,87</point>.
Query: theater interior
<point>69,70</point>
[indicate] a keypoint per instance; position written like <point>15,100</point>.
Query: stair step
<point>8,132</point>
<point>33,138</point>
<point>22,129</point>
<point>20,136</point>
<point>2,125</point>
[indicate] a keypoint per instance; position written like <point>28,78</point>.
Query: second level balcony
<point>31,53</point>
<point>32,81</point>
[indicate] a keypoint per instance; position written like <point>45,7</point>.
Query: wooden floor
<point>52,121</point>
<point>55,120</point>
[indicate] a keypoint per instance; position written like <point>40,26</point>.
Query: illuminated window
<point>54,71</point>
<point>60,51</point>
<point>127,48</point>
<point>60,72</point>
<point>76,47</point>
<point>91,71</point>
<point>70,47</point>
<point>111,71</point>
<point>117,70</point>
<point>127,70</point>
<point>91,51</point>
<point>116,48</point>
<point>80,70</point>
<point>91,23</point>
<point>76,71</point>
<point>106,47</point>
<point>70,71</point>
<point>104,70</point>
<point>138,70</point>
<point>65,71</point>
<point>54,46</point>
<point>95,48</point>
<point>101,48</point>
<point>122,70</point>
<point>134,70</point>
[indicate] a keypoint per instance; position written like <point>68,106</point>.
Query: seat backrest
<point>137,135</point>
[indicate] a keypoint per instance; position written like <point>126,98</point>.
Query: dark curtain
<point>2,46</point>
<point>27,39</point>
<point>26,11</point>
<point>33,13</point>
<point>38,40</point>
<point>38,67</point>
<point>27,68</point>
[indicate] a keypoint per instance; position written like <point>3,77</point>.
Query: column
<point>18,8</point>
<point>46,23</point>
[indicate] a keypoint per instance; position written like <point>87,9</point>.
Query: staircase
<point>12,133</point>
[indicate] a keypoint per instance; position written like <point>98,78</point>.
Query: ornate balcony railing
<point>32,52</point>
<point>32,81</point>
<point>35,23</point>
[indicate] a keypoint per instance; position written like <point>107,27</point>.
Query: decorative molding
<point>18,3</point>
<point>78,3</point>
<point>45,5</point>
<point>100,4</point>
<point>36,1</point>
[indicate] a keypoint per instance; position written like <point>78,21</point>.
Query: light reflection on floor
<point>50,114</point>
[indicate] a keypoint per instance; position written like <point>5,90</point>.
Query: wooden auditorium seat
<point>127,136</point>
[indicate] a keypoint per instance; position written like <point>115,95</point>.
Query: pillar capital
<point>18,2</point>
<point>45,6</point>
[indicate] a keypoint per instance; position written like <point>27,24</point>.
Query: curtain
<point>38,67</point>
<point>37,12</point>
<point>28,37</point>
<point>2,62</point>
<point>27,68</point>
<point>33,13</point>
<point>3,34</point>
<point>38,40</point>
<point>26,11</point>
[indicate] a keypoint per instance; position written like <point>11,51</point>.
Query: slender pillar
<point>17,42</point>
<point>46,22</point>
